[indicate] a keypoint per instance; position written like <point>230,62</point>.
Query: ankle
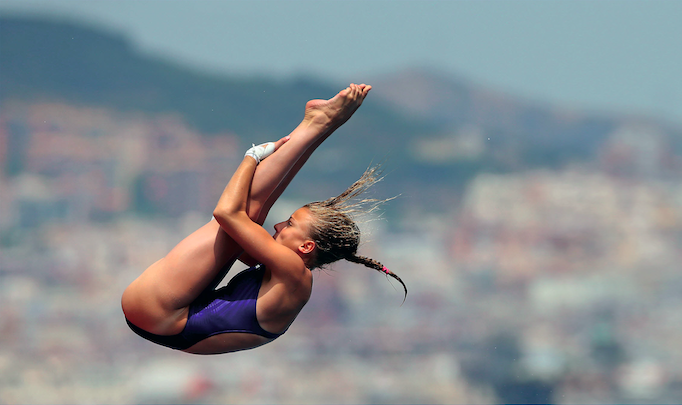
<point>317,122</point>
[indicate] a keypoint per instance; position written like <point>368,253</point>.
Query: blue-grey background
<point>536,148</point>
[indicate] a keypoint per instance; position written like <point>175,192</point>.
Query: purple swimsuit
<point>228,309</point>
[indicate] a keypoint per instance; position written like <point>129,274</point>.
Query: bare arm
<point>236,193</point>
<point>230,213</point>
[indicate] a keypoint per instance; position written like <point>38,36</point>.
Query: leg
<point>157,301</point>
<point>322,118</point>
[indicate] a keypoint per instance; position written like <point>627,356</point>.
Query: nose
<point>278,226</point>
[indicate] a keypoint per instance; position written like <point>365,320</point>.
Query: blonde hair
<point>335,233</point>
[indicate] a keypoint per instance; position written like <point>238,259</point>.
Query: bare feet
<point>338,109</point>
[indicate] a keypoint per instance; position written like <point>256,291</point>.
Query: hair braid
<point>333,227</point>
<point>376,265</point>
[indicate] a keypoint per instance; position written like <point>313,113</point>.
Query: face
<point>294,232</point>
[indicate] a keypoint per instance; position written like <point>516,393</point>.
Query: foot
<point>338,109</point>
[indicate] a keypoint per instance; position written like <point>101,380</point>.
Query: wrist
<point>260,152</point>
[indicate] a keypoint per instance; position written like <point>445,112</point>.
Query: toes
<point>356,90</point>
<point>350,90</point>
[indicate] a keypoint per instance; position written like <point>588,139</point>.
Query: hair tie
<point>385,270</point>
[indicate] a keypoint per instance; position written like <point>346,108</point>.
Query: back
<point>281,299</point>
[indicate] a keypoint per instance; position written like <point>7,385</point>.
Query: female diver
<point>174,302</point>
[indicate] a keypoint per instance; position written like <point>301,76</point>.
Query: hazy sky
<point>610,55</point>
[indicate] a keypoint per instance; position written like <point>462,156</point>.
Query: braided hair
<point>374,264</point>
<point>334,231</point>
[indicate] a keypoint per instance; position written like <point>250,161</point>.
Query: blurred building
<point>541,286</point>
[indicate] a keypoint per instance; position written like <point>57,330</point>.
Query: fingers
<point>281,142</point>
<point>260,152</point>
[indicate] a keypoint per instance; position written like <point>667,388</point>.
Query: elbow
<point>227,220</point>
<point>217,213</point>
<point>226,216</point>
<point>223,219</point>
<point>221,215</point>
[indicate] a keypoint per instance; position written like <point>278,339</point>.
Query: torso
<point>277,306</point>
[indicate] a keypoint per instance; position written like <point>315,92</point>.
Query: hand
<point>262,151</point>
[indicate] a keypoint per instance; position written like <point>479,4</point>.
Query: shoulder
<point>295,281</point>
<point>282,297</point>
<point>295,275</point>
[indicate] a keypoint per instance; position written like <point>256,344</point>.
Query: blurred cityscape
<point>548,286</point>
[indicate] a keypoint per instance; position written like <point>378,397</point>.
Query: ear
<point>307,247</point>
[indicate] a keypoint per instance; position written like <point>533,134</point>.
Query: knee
<point>133,303</point>
<point>129,301</point>
<point>134,310</point>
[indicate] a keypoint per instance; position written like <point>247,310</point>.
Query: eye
<point>289,222</point>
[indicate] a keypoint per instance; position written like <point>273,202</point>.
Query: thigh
<point>227,343</point>
<point>157,300</point>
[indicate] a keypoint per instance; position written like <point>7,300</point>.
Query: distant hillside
<point>60,60</point>
<point>529,132</point>
<point>68,61</point>
<point>437,132</point>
